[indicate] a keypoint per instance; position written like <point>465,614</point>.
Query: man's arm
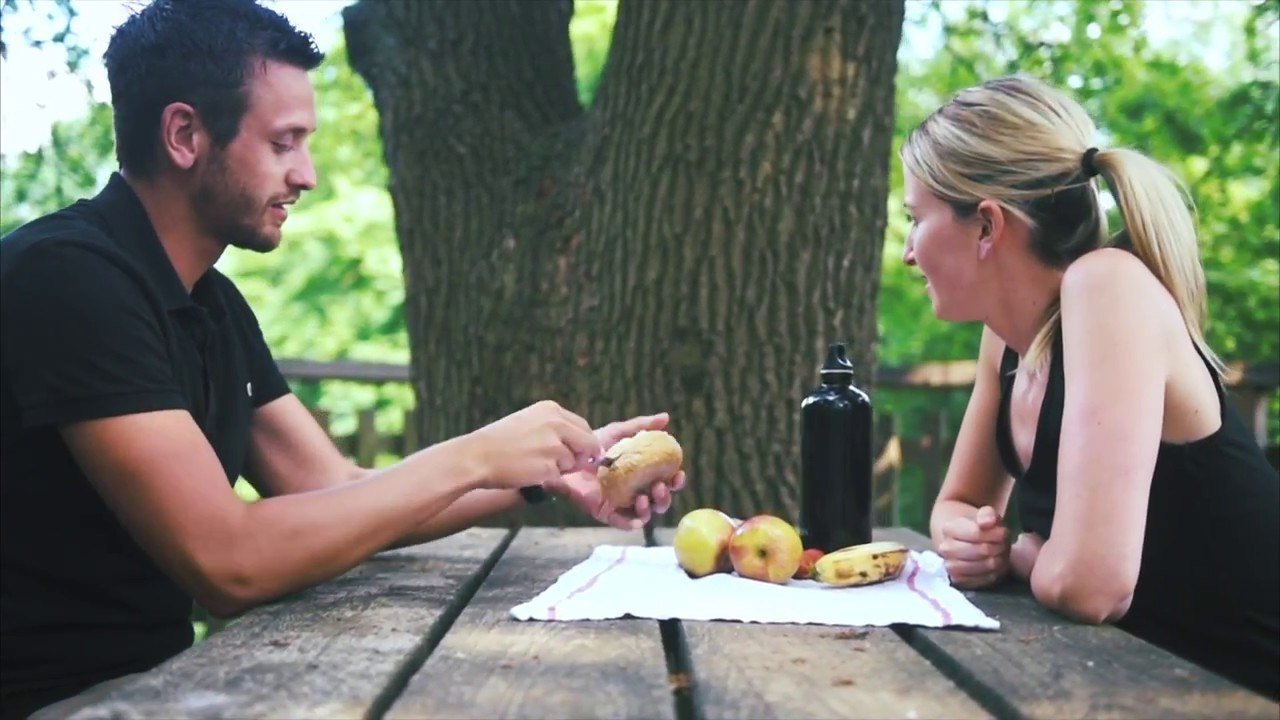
<point>290,453</point>
<point>160,476</point>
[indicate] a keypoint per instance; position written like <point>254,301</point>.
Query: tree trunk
<point>690,244</point>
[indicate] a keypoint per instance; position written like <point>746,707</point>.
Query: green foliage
<point>590,31</point>
<point>1215,126</point>
<point>77,160</point>
<point>59,14</point>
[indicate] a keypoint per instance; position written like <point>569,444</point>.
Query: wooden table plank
<point>1043,665</point>
<point>324,653</point>
<point>491,665</point>
<point>750,670</point>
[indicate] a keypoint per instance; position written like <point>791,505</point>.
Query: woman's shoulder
<point>1108,264</point>
<point>1115,280</point>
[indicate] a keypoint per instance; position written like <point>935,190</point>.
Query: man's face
<point>245,188</point>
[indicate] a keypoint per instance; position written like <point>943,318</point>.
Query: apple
<point>766,548</point>
<point>702,542</point>
<point>810,556</point>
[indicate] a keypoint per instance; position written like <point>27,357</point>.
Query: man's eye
<point>281,147</point>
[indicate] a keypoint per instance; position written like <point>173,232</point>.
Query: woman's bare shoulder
<point>1118,284</point>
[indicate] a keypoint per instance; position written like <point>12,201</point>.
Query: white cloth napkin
<point>647,582</point>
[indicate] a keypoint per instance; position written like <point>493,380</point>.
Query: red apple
<point>810,556</point>
<point>766,548</point>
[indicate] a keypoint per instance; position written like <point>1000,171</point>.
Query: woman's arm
<point>1115,320</point>
<point>967,518</point>
<point>975,476</point>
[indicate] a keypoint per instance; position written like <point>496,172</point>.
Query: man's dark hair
<point>198,52</point>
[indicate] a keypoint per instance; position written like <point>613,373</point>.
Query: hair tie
<point>1090,170</point>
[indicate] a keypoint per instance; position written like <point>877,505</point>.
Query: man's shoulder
<point>71,229</point>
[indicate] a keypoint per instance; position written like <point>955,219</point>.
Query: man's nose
<point>302,175</point>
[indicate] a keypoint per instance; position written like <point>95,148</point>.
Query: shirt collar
<point>132,229</point>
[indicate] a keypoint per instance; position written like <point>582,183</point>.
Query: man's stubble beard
<point>228,210</point>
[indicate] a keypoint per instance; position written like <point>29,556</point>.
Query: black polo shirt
<point>97,324</point>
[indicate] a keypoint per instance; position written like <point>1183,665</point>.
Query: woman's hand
<point>975,549</point>
<point>584,489</point>
<point>1024,553</point>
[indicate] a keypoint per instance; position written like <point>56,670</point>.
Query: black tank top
<point>1209,583</point>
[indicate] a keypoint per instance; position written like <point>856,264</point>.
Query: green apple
<point>702,542</point>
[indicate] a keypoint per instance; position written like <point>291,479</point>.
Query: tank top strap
<point>1004,433</point>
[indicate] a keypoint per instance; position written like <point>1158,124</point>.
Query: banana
<point>861,564</point>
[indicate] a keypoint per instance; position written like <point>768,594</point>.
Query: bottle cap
<point>837,361</point>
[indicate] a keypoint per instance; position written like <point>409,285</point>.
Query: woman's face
<point>946,250</point>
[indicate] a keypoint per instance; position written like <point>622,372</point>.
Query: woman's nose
<point>909,254</point>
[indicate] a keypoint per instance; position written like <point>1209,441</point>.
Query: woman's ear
<point>992,219</point>
<point>182,135</point>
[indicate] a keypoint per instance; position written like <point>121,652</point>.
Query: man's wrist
<point>534,494</point>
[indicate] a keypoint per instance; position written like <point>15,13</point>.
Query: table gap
<point>675,646</point>
<point>400,678</point>
<point>981,693</point>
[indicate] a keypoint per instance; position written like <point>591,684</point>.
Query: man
<point>135,385</point>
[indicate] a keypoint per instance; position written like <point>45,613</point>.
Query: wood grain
<point>491,665</point>
<point>324,653</point>
<point>1042,665</point>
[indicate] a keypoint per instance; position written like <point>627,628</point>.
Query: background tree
<point>691,243</point>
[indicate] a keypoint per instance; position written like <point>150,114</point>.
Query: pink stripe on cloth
<point>551,611</point>
<point>911,583</point>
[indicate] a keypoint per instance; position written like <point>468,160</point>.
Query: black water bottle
<point>835,459</point>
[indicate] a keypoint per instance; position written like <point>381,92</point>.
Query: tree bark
<point>690,244</point>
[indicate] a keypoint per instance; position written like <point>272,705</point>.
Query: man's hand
<point>584,489</point>
<point>976,549</point>
<point>533,446</point>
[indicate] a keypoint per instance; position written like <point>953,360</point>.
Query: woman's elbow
<point>1087,597</point>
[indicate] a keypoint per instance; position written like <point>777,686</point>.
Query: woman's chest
<point>1026,400</point>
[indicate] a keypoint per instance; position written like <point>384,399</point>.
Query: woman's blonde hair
<point>1025,145</point>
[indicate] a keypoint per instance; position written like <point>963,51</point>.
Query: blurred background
<point>1193,84</point>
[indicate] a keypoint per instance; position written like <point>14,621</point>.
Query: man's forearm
<point>294,541</point>
<point>463,513</point>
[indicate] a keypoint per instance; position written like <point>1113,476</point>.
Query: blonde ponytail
<point>1161,230</point>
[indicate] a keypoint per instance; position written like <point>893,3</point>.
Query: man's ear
<point>182,135</point>
<point>991,216</point>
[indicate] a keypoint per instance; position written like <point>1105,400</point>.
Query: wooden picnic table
<point>426,632</point>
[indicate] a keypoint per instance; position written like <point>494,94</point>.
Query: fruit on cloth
<point>766,548</point>
<point>702,542</point>
<point>807,559</point>
<point>864,564</point>
<point>634,464</point>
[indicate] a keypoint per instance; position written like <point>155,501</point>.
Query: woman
<point>1145,500</point>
